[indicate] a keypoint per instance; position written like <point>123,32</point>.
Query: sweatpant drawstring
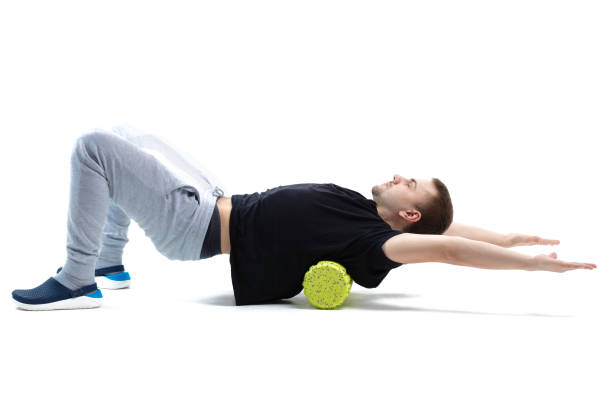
<point>217,192</point>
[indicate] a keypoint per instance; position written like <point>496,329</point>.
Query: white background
<point>508,103</point>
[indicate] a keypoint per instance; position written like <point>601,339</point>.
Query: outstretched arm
<point>414,248</point>
<point>466,252</point>
<point>503,240</point>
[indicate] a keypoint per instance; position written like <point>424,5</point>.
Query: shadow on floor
<point>363,301</point>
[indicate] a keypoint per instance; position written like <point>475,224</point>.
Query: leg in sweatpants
<point>107,169</point>
<point>114,237</point>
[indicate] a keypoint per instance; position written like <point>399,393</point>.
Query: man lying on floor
<point>271,237</point>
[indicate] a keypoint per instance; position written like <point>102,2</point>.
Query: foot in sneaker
<point>111,277</point>
<point>52,295</point>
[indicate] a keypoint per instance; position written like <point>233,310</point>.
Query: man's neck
<point>382,213</point>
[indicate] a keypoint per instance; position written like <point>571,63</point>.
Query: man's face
<point>403,193</point>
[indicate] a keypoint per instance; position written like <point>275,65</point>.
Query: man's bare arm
<point>414,248</point>
<point>478,234</point>
<point>503,240</point>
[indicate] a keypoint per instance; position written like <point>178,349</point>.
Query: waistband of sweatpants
<point>196,235</point>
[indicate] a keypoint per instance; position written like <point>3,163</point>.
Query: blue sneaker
<point>111,277</point>
<point>52,295</point>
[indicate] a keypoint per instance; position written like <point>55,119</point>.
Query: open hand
<point>550,262</point>
<point>517,239</point>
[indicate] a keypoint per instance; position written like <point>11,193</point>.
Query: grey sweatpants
<point>113,181</point>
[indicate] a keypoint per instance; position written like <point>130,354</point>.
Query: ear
<point>410,215</point>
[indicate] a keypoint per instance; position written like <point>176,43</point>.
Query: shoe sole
<point>82,302</point>
<point>118,281</point>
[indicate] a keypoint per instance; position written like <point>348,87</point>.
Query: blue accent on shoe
<point>51,291</point>
<point>96,294</point>
<point>119,277</point>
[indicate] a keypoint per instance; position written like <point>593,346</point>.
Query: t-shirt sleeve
<point>376,256</point>
<point>374,263</point>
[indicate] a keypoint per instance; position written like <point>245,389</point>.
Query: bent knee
<point>91,142</point>
<point>96,137</point>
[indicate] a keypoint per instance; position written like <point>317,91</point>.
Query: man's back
<point>276,235</point>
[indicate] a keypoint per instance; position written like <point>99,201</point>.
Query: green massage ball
<point>326,284</point>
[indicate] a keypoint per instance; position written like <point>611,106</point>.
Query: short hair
<point>436,213</point>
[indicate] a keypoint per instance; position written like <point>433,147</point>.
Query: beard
<point>377,194</point>
<point>378,189</point>
<point>375,191</point>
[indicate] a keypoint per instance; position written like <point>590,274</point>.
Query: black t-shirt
<point>278,234</point>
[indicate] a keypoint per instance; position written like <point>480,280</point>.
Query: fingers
<point>579,265</point>
<point>533,240</point>
<point>557,265</point>
<point>545,241</point>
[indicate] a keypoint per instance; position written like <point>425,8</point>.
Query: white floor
<point>432,335</point>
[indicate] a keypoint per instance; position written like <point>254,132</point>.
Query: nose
<point>396,178</point>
